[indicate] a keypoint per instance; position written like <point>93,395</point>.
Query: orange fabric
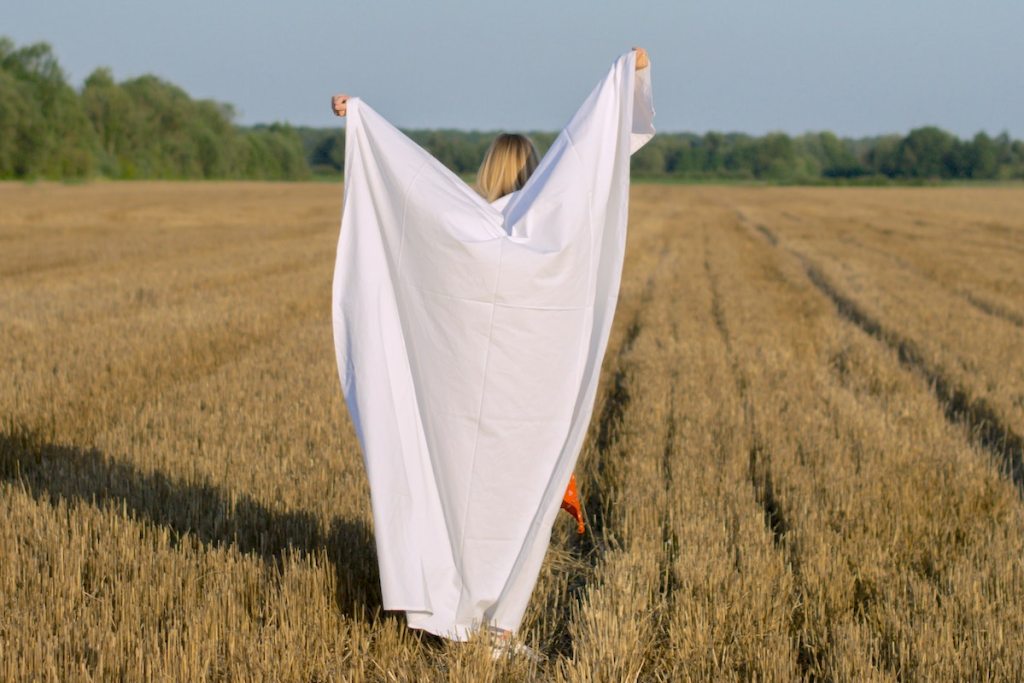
<point>571,503</point>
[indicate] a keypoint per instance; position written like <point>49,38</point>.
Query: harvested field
<point>805,461</point>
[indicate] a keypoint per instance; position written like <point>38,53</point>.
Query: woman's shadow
<point>51,472</point>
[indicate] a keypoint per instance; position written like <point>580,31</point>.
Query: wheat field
<point>805,460</point>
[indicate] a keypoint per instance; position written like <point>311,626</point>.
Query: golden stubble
<point>804,460</point>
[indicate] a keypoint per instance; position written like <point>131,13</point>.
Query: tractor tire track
<point>597,499</point>
<point>809,656</point>
<point>958,405</point>
<point>985,306</point>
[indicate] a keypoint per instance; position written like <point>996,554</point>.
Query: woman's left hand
<point>339,104</point>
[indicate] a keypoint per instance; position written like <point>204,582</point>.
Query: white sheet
<point>469,341</point>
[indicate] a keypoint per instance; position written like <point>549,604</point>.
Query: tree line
<point>141,127</point>
<point>926,153</point>
<point>145,127</point>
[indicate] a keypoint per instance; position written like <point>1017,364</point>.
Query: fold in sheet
<point>469,339</point>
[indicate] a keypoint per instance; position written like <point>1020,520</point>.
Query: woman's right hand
<point>339,104</point>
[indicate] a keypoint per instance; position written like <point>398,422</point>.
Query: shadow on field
<point>52,472</point>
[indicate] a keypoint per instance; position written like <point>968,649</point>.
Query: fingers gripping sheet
<point>469,339</point>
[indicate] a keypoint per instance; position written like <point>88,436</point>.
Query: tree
<point>838,160</point>
<point>52,136</point>
<point>926,153</point>
<point>983,157</point>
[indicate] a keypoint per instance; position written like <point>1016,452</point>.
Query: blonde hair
<point>509,161</point>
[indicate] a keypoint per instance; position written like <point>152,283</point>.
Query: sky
<point>856,67</point>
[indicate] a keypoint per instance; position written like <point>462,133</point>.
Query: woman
<point>469,326</point>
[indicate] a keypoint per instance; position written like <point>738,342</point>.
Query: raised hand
<point>339,104</point>
<point>642,61</point>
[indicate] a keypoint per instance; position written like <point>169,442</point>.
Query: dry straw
<point>804,462</point>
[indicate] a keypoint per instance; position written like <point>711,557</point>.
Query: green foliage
<point>143,127</point>
<point>274,152</point>
<point>146,127</point>
<point>44,132</point>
